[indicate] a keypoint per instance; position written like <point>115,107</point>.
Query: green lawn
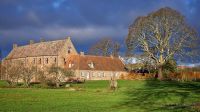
<point>94,96</point>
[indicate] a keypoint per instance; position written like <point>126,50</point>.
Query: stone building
<point>62,53</point>
<point>95,67</point>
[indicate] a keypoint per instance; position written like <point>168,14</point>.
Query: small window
<point>64,61</point>
<point>103,75</point>
<point>69,51</point>
<point>82,74</point>
<point>47,60</point>
<point>93,74</point>
<point>55,60</point>
<point>40,61</point>
<point>34,60</point>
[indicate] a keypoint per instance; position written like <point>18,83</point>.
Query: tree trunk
<point>113,82</point>
<point>57,84</point>
<point>160,74</point>
<point>26,84</point>
<point>160,65</point>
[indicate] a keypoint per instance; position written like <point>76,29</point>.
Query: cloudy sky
<point>86,21</point>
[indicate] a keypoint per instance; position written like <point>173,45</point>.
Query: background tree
<point>105,47</point>
<point>0,55</point>
<point>116,48</point>
<point>59,74</point>
<point>162,35</point>
<point>27,74</point>
<point>13,71</point>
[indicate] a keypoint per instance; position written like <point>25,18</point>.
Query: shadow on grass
<point>163,96</point>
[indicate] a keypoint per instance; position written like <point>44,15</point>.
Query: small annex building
<point>95,67</point>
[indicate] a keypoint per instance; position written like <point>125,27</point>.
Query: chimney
<point>14,46</point>
<point>82,53</point>
<point>42,40</point>
<point>31,42</point>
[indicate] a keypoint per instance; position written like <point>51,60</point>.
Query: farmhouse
<point>95,67</point>
<point>62,53</point>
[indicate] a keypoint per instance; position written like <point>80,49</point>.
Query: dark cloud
<point>85,20</point>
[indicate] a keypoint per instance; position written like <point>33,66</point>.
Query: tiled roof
<point>81,62</point>
<point>38,49</point>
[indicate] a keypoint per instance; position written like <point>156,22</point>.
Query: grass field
<point>94,96</point>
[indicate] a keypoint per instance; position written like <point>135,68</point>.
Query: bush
<point>50,83</point>
<point>168,68</point>
<point>4,83</point>
<point>76,80</point>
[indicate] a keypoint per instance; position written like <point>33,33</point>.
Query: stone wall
<point>67,49</point>
<point>98,75</point>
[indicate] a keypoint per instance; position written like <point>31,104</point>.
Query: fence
<point>180,76</point>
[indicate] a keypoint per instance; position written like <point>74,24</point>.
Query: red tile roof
<point>80,62</point>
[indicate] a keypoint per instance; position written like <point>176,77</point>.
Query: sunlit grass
<point>95,96</point>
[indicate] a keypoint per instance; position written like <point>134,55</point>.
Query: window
<point>34,60</point>
<point>40,61</point>
<point>82,74</point>
<point>64,61</point>
<point>69,51</point>
<point>93,74</point>
<point>100,74</point>
<point>47,60</point>
<point>55,60</point>
<point>85,75</point>
<point>103,75</point>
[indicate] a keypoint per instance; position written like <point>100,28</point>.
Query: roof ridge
<point>40,43</point>
<point>95,56</point>
<point>38,49</point>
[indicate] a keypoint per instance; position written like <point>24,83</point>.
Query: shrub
<point>4,83</point>
<point>168,68</point>
<point>59,74</point>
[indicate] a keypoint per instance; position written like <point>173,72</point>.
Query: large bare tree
<point>28,73</point>
<point>162,35</point>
